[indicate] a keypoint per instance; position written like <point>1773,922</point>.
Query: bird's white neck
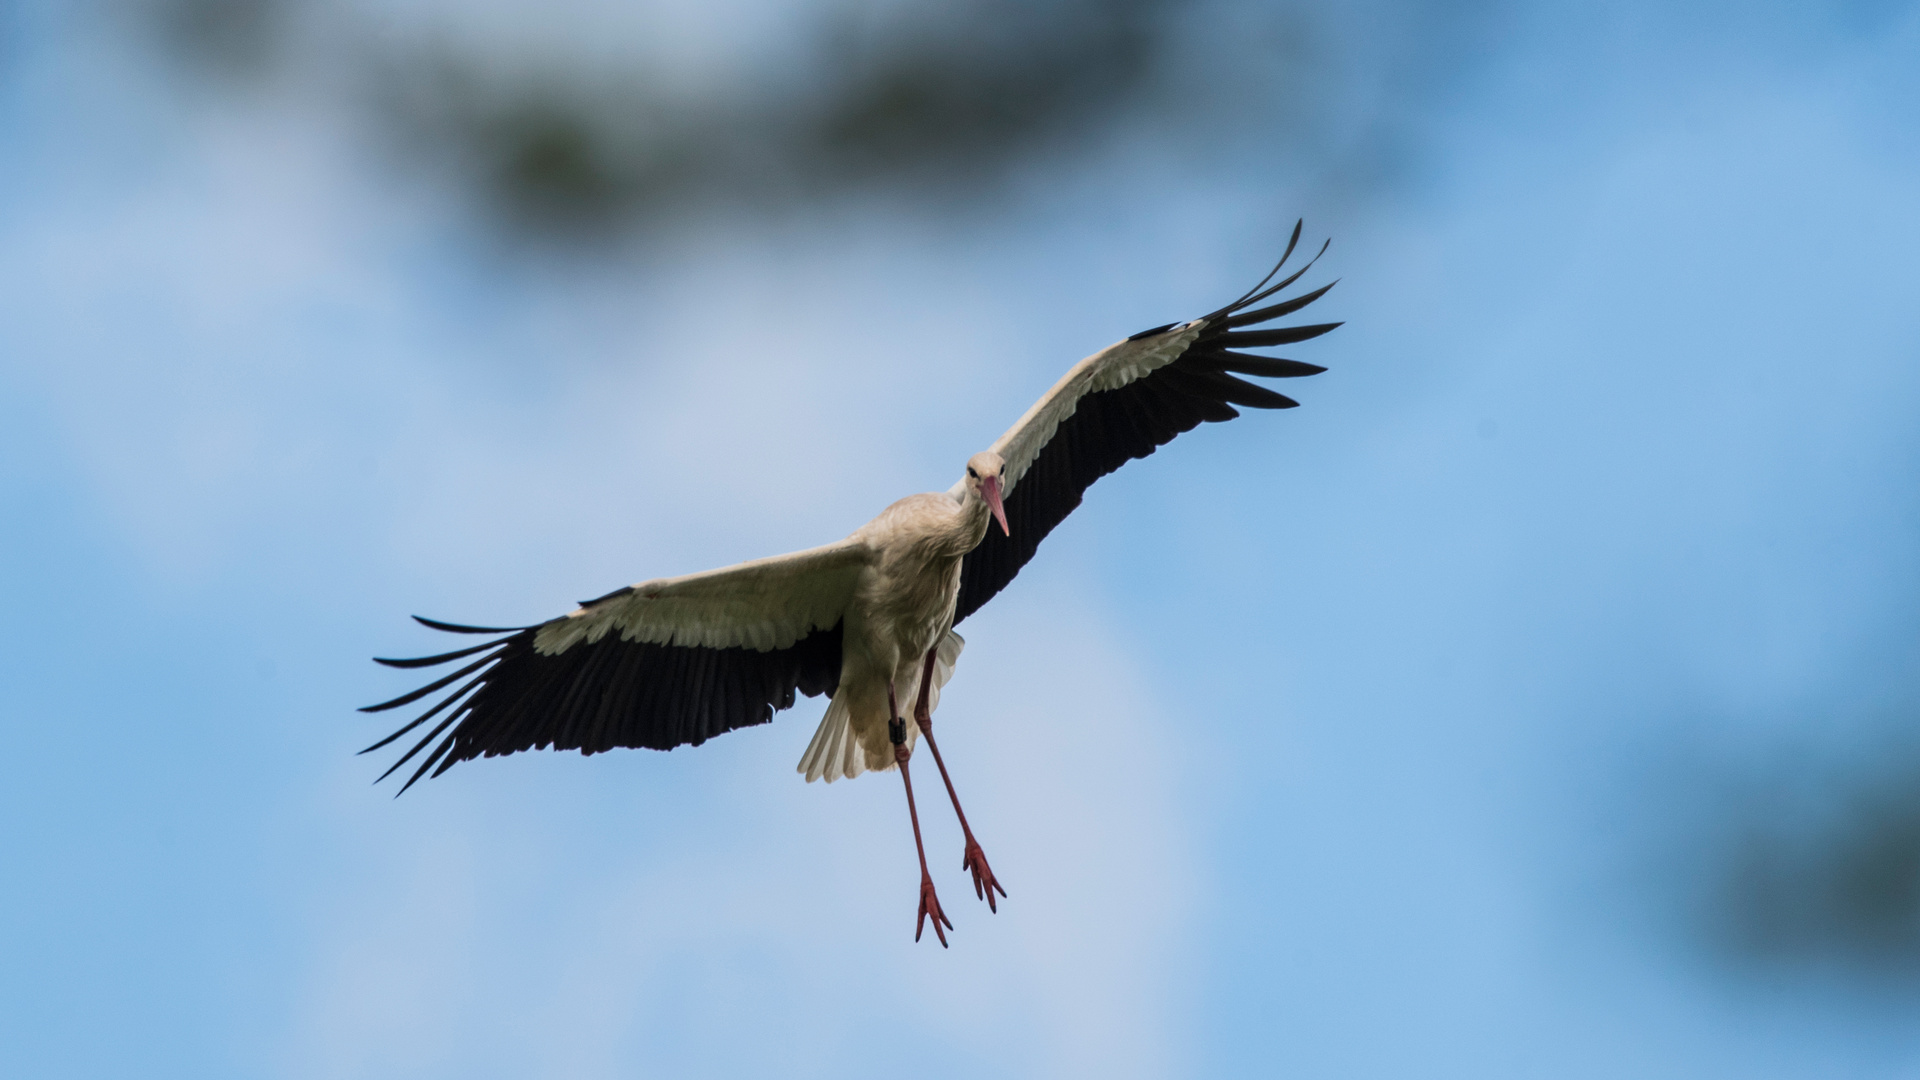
<point>970,524</point>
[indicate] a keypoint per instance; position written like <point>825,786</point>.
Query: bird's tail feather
<point>827,755</point>
<point>944,659</point>
<point>835,753</point>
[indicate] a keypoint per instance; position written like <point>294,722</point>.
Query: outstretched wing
<point>660,664</point>
<point>1123,403</point>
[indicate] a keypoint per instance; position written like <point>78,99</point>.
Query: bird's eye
<point>971,472</point>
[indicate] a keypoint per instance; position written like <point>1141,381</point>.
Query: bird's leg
<point>929,900</point>
<point>976,860</point>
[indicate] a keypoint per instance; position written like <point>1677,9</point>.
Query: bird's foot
<point>984,882</point>
<point>930,906</point>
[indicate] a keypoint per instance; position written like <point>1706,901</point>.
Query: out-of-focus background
<point>1541,699</point>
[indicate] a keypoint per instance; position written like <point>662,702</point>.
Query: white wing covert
<point>764,604</point>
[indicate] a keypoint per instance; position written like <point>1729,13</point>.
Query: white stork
<point>676,661</point>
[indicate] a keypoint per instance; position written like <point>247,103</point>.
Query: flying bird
<point>867,621</point>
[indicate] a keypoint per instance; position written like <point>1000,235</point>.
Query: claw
<point>984,883</point>
<point>930,905</point>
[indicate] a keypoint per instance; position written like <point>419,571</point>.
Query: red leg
<point>929,900</point>
<point>984,882</point>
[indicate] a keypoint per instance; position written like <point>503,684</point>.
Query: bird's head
<point>985,472</point>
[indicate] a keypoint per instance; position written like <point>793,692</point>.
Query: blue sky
<point>1404,734</point>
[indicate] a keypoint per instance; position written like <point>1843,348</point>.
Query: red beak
<point>990,491</point>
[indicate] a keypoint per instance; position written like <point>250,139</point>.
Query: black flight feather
<point>426,716</point>
<point>429,661</point>
<point>595,696</point>
<point>614,595</point>
<point>456,628</point>
<point>1241,392</point>
<point>405,699</point>
<point>1268,367</point>
<point>1253,339</point>
<point>1150,333</point>
<point>1280,310</point>
<point>1252,317</point>
<point>1248,297</point>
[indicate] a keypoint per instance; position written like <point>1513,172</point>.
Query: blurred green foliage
<point>1825,868</point>
<point>232,37</point>
<point>939,102</point>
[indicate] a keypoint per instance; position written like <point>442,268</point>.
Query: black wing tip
<point>458,628</point>
<point>1241,319</point>
<point>436,660</point>
<point>432,687</point>
<point>1248,296</point>
<point>1258,294</point>
<point>1261,291</point>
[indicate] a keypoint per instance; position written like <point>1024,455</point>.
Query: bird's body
<point>868,620</point>
<point>902,606</point>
